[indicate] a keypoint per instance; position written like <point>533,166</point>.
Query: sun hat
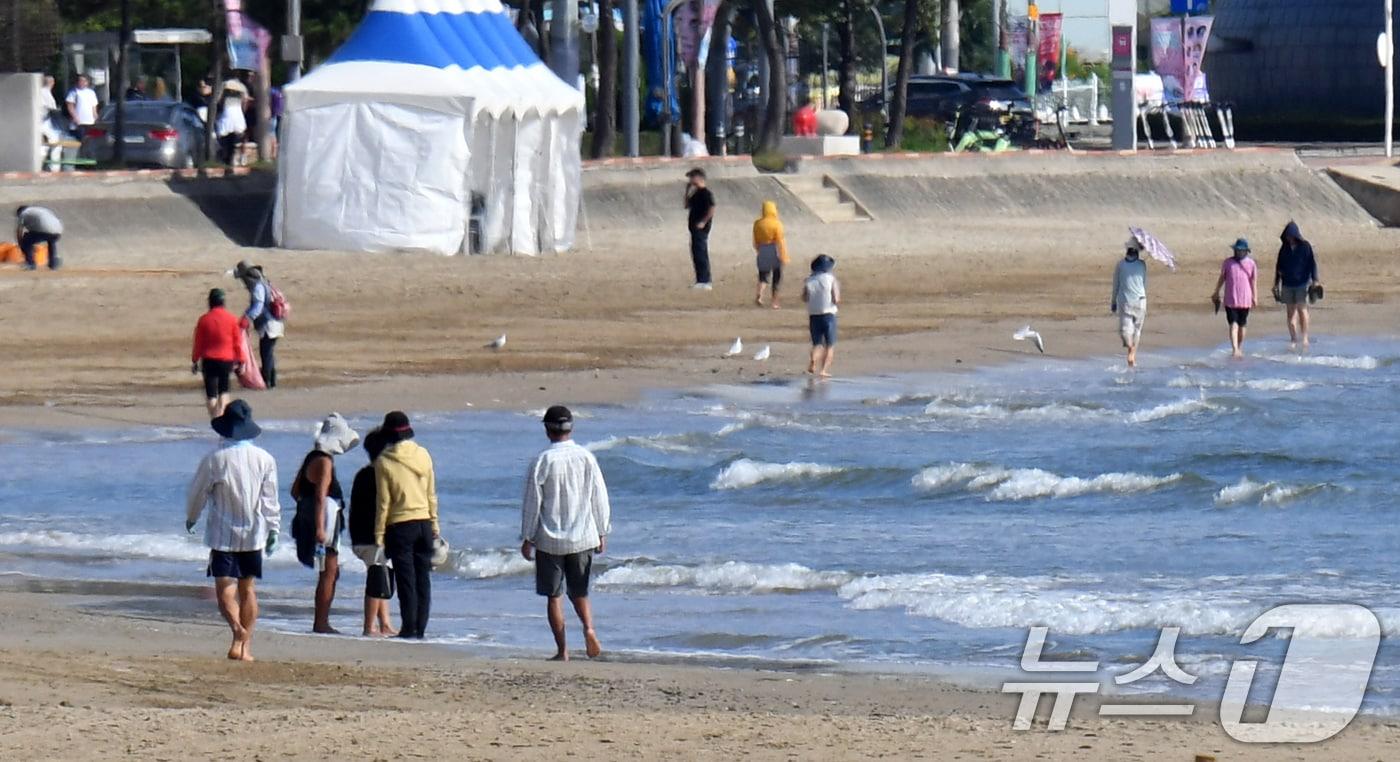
<point>1133,245</point>
<point>236,423</point>
<point>334,436</point>
<point>558,418</point>
<point>823,264</point>
<point>396,428</point>
<point>1241,244</point>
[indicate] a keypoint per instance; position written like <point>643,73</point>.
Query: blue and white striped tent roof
<point>454,55</point>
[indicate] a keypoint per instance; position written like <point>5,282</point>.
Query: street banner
<point>1169,57</point>
<point>1197,35</point>
<point>1048,53</point>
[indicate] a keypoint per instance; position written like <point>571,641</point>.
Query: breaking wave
<point>744,473</point>
<point>1009,484</point>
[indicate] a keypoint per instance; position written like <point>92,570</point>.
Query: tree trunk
<point>846,71</point>
<point>894,134</point>
<point>770,134</point>
<point>216,91</point>
<point>605,117</point>
<point>262,105</point>
<point>951,36</point>
<point>717,81</point>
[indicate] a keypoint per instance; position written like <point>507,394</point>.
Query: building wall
<point>1293,63</point>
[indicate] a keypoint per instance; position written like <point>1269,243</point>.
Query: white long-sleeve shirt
<point>565,509</point>
<point>238,481</point>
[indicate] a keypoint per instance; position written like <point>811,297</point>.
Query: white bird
<point>735,348</point>
<point>498,343</point>
<point>762,354</point>
<point>1027,333</point>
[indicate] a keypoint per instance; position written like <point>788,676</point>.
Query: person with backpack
<point>319,519</point>
<point>267,309</point>
<point>379,586</point>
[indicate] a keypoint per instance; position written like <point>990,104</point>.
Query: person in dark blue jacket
<point>1295,279</point>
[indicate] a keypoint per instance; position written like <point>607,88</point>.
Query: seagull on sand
<point>762,354</point>
<point>735,348</point>
<point>1027,333</point>
<point>498,343</point>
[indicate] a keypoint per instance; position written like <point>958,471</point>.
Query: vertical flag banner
<point>1169,57</point>
<point>1197,35</point>
<point>1048,53</point>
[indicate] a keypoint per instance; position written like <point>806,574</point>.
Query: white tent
<point>431,108</point>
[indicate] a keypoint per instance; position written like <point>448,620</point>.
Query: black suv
<point>943,96</point>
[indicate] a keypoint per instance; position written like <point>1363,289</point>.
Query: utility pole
<point>563,41</point>
<point>1003,60</point>
<point>1032,48</point>
<point>123,50</point>
<point>1389,55</point>
<point>631,116</point>
<point>825,65</point>
<point>291,42</point>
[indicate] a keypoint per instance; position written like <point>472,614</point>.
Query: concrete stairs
<point>825,198</point>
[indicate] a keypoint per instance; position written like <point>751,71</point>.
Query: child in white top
<point>822,293</point>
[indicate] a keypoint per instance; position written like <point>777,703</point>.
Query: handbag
<point>379,583</point>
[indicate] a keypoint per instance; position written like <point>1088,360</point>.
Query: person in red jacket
<point>219,349</point>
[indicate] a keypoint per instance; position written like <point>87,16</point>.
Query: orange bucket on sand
<point>11,255</point>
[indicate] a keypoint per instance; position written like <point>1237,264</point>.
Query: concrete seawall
<point>910,199</point>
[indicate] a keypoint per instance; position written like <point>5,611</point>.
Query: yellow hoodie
<point>406,487</point>
<point>768,229</point>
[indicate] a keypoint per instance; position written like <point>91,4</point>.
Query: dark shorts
<point>552,572</point>
<point>216,373</point>
<point>823,329</point>
<point>774,276</point>
<point>235,565</point>
<point>1237,316</point>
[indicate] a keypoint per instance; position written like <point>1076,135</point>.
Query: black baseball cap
<point>559,418</point>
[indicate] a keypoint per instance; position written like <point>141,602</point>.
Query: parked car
<point>159,133</point>
<point>943,96</point>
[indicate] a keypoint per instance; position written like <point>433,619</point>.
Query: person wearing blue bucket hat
<point>238,483</point>
<point>1239,277</point>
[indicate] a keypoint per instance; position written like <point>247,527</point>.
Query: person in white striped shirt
<point>238,483</point>
<point>564,519</point>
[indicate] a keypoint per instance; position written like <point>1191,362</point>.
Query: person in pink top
<point>1240,278</point>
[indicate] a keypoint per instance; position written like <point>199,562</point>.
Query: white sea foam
<point>955,408</point>
<point>504,562</point>
<point>1253,384</point>
<point>744,473</point>
<point>727,577</point>
<point>1171,410</point>
<point>1364,362</point>
<point>672,443</point>
<point>1009,484</point>
<point>160,547</point>
<point>1247,490</point>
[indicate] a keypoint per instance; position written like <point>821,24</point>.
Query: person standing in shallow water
<point>1129,299</point>
<point>565,518</point>
<point>406,520</point>
<point>1239,277</point>
<point>238,483</point>
<point>362,515</point>
<point>1295,278</point>
<point>317,492</point>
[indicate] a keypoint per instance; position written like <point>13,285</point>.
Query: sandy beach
<point>84,674</point>
<point>80,682</point>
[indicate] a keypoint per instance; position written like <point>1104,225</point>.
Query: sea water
<point>911,522</point>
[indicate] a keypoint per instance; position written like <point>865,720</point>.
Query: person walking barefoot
<point>238,483</point>
<point>1130,299</point>
<point>822,293</point>
<point>770,246</point>
<point>565,518</point>
<point>1240,279</point>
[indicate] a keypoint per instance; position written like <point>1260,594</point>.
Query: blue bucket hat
<point>236,423</point>
<point>1241,244</point>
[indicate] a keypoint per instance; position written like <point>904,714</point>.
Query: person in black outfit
<point>362,510</point>
<point>701,204</point>
<point>319,497</point>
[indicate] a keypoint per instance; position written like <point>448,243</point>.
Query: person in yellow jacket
<point>406,520</point>
<point>770,244</point>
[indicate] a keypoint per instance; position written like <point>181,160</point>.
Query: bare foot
<point>245,651</point>
<point>235,651</point>
<point>777,306</point>
<point>327,630</point>
<point>593,645</point>
<point>825,374</point>
<point>560,657</point>
<point>1306,345</point>
<point>758,301</point>
<point>809,371</point>
<point>388,632</point>
<point>1293,346</point>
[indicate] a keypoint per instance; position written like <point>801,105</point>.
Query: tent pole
<point>631,117</point>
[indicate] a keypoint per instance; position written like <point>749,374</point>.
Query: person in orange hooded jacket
<point>770,244</point>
